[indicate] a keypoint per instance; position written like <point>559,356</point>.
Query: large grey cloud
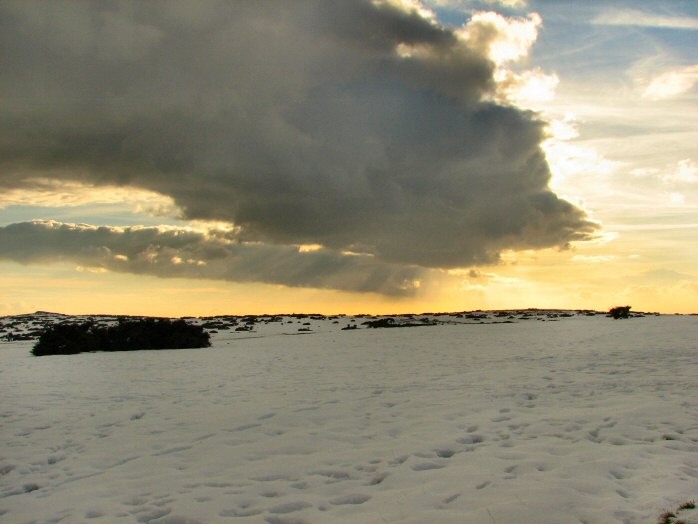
<point>353,124</point>
<point>199,254</point>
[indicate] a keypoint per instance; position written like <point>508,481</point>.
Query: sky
<point>200,158</point>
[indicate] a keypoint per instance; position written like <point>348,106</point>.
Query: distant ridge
<point>318,316</point>
<point>30,326</point>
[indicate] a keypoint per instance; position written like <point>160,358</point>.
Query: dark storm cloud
<point>211,254</point>
<point>352,124</point>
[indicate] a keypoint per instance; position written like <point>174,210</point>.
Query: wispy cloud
<point>594,259</point>
<point>686,172</point>
<point>519,4</point>
<point>634,17</point>
<point>467,4</point>
<point>680,174</point>
<point>672,83</point>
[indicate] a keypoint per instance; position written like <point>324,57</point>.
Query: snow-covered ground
<point>580,419</point>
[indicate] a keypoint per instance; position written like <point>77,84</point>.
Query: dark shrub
<point>65,339</point>
<point>390,323</point>
<point>620,312</point>
<point>127,335</point>
<point>381,323</point>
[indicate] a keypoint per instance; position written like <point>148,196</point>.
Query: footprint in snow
<point>244,427</point>
<point>290,507</point>
<point>172,450</point>
<point>470,439</point>
<point>248,512</point>
<point>153,514</point>
<point>176,519</point>
<point>350,499</point>
<point>270,478</point>
<point>426,466</point>
<point>377,479</point>
<point>450,499</point>
<point>399,460</point>
<point>284,520</point>
<point>333,474</point>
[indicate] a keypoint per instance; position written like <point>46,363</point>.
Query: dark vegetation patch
<point>391,323</point>
<point>126,335</point>
<point>678,516</point>
<point>619,312</point>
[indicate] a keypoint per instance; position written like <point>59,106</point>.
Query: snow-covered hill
<point>471,417</point>
<point>29,326</point>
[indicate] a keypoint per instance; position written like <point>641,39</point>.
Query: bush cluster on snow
<point>619,312</point>
<point>127,335</point>
<point>680,515</point>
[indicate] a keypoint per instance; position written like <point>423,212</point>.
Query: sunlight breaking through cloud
<point>366,132</point>
<point>169,251</point>
<point>49,192</point>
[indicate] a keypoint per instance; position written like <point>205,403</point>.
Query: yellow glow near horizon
<point>545,279</point>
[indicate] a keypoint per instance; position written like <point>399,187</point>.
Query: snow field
<point>582,420</point>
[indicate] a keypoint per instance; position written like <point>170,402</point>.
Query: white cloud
<point>634,17</point>
<point>565,129</point>
<point>309,248</point>
<point>682,173</point>
<point>503,39</point>
<point>465,4</point>
<point>677,198</point>
<point>97,270</point>
<point>594,259</point>
<point>529,89</point>
<point>507,41</point>
<point>672,83</point>
<point>569,161</point>
<point>518,4</point>
<point>686,172</point>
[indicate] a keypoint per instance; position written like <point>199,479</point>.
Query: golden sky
<point>456,155</point>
